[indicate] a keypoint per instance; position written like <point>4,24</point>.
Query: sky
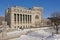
<point>49,6</point>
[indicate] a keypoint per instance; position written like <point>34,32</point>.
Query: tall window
<point>26,18</point>
<point>18,18</point>
<point>21,18</point>
<point>30,18</point>
<point>36,17</point>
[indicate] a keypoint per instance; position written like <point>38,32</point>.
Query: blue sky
<point>49,6</point>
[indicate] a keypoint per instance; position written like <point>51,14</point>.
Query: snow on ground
<point>54,37</point>
<point>41,34</point>
<point>15,32</point>
<point>19,31</point>
<point>25,37</point>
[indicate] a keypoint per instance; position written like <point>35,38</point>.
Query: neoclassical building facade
<point>20,17</point>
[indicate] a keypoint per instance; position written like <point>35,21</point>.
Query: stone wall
<point>2,18</point>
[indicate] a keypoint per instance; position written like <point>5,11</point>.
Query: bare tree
<point>55,20</point>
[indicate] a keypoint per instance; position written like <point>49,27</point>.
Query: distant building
<point>20,17</point>
<point>46,22</point>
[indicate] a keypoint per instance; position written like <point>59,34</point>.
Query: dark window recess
<point>26,18</point>
<point>18,18</point>
<point>30,18</point>
<point>15,18</point>
<point>21,18</point>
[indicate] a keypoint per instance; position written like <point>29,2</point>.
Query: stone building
<point>2,18</point>
<point>20,17</point>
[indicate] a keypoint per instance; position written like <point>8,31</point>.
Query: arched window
<point>36,17</point>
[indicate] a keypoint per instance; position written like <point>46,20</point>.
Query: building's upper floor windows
<point>28,11</point>
<point>21,10</point>
<point>16,10</point>
<point>36,17</point>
